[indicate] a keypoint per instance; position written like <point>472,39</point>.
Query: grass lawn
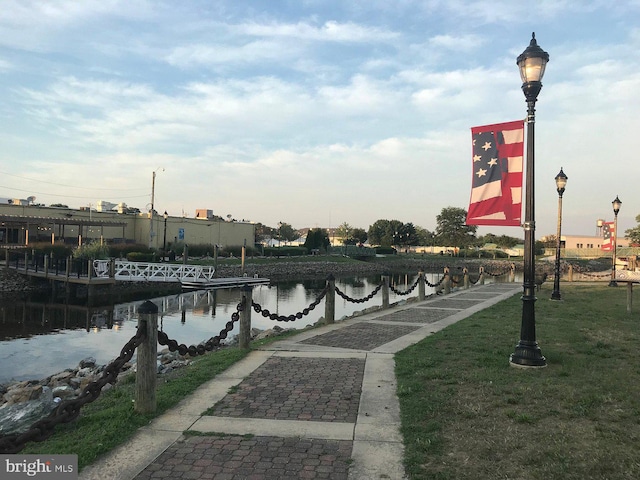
<point>467,414</point>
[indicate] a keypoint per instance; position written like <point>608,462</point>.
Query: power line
<point>69,186</point>
<point>68,196</point>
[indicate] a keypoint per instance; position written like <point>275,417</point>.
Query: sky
<point>314,112</point>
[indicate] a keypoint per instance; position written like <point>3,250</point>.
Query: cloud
<point>330,31</point>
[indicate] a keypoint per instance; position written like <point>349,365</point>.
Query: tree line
<point>451,230</point>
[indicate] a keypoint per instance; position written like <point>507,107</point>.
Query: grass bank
<point>468,414</point>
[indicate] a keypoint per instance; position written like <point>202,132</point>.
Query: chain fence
<point>360,300</point>
<point>290,318</point>
<point>408,291</point>
<point>69,410</point>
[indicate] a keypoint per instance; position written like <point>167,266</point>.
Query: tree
<point>286,232</point>
<point>359,235</point>
<point>452,229</point>
<point>425,237</point>
<point>344,232</point>
<point>633,234</point>
<point>378,231</point>
<point>263,232</point>
<point>405,235</point>
<point>317,238</point>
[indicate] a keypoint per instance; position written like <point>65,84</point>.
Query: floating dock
<point>226,282</point>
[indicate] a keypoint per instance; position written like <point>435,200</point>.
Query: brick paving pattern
<point>233,457</point>
<point>455,303</point>
<point>418,315</point>
<point>361,336</point>
<point>297,388</point>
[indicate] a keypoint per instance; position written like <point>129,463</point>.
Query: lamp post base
<point>527,355</point>
<point>613,283</point>
<point>555,295</point>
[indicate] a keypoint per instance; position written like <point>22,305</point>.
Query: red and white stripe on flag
<point>608,236</point>
<point>496,185</point>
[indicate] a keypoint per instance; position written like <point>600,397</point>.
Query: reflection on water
<point>40,338</point>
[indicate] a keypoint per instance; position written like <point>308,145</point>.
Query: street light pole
<point>531,63</point>
<point>616,208</point>
<point>164,243</point>
<point>153,193</point>
<point>561,183</point>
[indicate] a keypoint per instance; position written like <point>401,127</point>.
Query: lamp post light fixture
<point>164,243</point>
<point>532,63</point>
<point>616,208</point>
<point>561,183</point>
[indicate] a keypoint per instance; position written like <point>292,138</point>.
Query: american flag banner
<point>496,187</point>
<point>608,236</point>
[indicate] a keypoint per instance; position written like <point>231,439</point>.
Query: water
<point>38,338</point>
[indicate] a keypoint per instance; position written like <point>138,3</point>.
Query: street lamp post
<point>164,243</point>
<point>616,208</point>
<point>561,183</point>
<point>532,63</point>
<point>153,194</point>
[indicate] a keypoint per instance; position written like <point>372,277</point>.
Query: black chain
<point>70,409</point>
<point>290,318</point>
<point>359,300</point>
<point>202,348</point>
<point>406,292</point>
<point>437,284</point>
<point>498,274</point>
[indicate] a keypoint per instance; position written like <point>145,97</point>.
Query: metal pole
<point>613,282</point>
<point>153,188</point>
<point>164,243</point>
<point>555,295</point>
<point>527,352</point>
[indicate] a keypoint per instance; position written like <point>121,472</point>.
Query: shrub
<point>91,251</point>
<point>121,250</point>
<point>56,250</point>
<point>141,257</point>
<point>284,251</point>
<point>386,251</point>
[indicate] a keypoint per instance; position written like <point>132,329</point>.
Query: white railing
<point>154,272</point>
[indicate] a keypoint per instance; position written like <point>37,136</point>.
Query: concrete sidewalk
<point>321,405</point>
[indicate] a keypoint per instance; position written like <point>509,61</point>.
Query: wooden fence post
<point>465,272</point>
<point>512,275</point>
<point>330,301</point>
<point>421,295</point>
<point>385,290</point>
<point>570,272</point>
<point>447,281</point>
<point>481,279</point>
<point>146,363</point>
<point>245,318</point>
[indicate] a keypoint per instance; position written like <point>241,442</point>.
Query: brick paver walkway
<point>314,384</point>
<point>233,457</point>
<point>294,388</point>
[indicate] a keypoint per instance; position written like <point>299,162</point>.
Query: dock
<point>227,282</point>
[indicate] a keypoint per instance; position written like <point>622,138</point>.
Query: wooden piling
<point>421,285</point>
<point>244,337</point>
<point>330,301</point>
<point>385,290</point>
<point>146,368</point>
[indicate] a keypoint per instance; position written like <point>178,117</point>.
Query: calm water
<point>38,339</point>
